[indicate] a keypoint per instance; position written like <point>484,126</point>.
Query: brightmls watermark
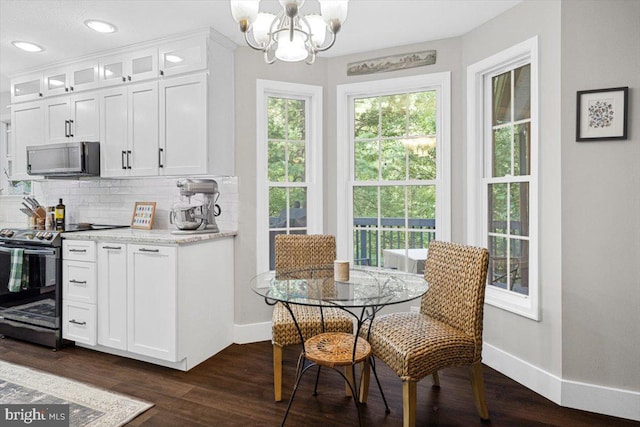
<point>36,415</point>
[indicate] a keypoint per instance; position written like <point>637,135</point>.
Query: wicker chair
<point>447,331</point>
<point>294,253</point>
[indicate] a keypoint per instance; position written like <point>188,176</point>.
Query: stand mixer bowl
<point>186,216</point>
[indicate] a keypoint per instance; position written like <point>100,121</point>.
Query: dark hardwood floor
<point>234,388</point>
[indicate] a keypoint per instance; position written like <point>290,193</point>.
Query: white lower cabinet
<point>152,301</point>
<point>79,322</point>
<point>137,299</point>
<point>162,304</point>
<point>112,295</point>
<point>79,285</point>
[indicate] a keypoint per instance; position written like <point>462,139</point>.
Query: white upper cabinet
<point>27,128</point>
<point>72,118</point>
<point>164,109</point>
<point>73,78</point>
<point>26,88</point>
<point>129,131</point>
<point>183,56</point>
<point>56,82</point>
<point>183,130</point>
<point>129,67</point>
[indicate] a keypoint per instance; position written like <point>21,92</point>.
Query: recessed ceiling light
<point>27,46</point>
<point>100,26</point>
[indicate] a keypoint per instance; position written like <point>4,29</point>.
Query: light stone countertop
<point>146,236</point>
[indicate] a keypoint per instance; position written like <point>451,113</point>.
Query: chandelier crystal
<point>289,36</point>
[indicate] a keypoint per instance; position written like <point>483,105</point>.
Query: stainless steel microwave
<point>69,159</point>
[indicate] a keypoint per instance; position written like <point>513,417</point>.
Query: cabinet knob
<point>66,89</point>
<point>129,78</point>
<point>124,79</point>
<point>71,88</point>
<point>40,94</point>
<point>161,73</point>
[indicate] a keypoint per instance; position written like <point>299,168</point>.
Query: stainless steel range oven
<point>31,286</point>
<point>31,283</point>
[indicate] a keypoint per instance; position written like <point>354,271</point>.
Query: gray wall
<point>538,343</point>
<point>601,200</point>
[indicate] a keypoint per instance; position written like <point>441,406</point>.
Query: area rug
<point>88,406</point>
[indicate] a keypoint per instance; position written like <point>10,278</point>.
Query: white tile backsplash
<point>111,201</point>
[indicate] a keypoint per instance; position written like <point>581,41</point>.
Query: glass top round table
<point>366,287</point>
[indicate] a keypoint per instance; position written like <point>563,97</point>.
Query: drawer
<point>79,281</point>
<point>79,250</point>
<point>79,322</point>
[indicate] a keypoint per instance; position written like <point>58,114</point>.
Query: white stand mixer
<point>194,218</point>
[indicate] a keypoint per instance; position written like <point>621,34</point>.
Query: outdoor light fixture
<point>289,36</point>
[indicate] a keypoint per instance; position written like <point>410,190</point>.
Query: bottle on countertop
<point>60,216</point>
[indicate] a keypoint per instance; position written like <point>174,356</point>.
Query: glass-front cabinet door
<point>130,67</point>
<point>112,71</point>
<point>183,56</point>
<point>84,76</point>
<point>143,65</point>
<point>56,82</point>
<point>26,88</point>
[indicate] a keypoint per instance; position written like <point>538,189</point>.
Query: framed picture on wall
<point>602,114</point>
<point>143,213</point>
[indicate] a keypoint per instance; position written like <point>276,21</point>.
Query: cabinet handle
<point>160,152</point>
<point>124,79</point>
<point>66,89</point>
<point>71,88</point>
<point>161,73</point>
<point>78,250</point>
<point>70,128</point>
<point>78,282</point>
<point>128,159</point>
<point>129,78</point>
<point>74,321</point>
<point>115,248</point>
<point>149,250</point>
<point>124,153</point>
<point>66,128</point>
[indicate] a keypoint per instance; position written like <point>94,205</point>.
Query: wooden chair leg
<point>436,379</point>
<point>477,383</point>
<point>348,372</point>
<point>364,380</point>
<point>277,372</point>
<point>409,403</point>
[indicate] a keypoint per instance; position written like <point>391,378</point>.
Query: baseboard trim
<point>571,394</point>
<point>252,332</point>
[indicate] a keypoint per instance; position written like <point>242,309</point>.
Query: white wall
<point>601,200</point>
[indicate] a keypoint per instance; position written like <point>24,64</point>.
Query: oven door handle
<point>30,251</point>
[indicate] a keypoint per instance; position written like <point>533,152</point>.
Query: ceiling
<point>57,25</point>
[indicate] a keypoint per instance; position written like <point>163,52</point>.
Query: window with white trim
<point>393,170</point>
<point>289,164</point>
<point>503,153</point>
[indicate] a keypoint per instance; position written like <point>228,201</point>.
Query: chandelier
<point>289,36</point>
